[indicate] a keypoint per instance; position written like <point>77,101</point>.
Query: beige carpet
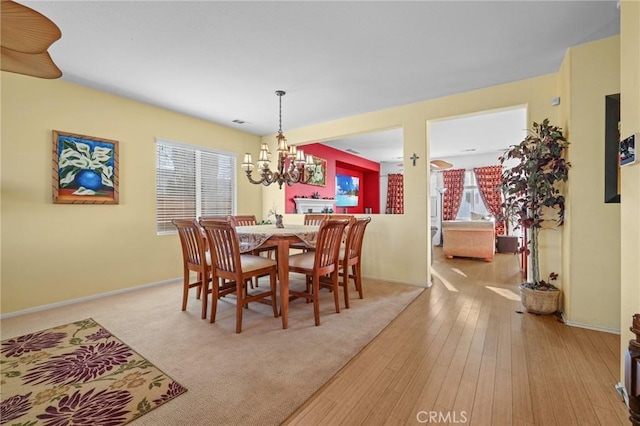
<point>258,377</point>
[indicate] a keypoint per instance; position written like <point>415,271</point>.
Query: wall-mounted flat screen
<point>347,191</point>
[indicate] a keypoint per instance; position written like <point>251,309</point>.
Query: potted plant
<point>533,188</point>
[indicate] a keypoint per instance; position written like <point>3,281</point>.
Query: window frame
<point>200,196</point>
<point>471,184</point>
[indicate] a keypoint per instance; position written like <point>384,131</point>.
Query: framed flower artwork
<point>319,176</point>
<point>85,169</point>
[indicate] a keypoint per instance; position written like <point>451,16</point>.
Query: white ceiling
<point>223,61</point>
<point>482,133</point>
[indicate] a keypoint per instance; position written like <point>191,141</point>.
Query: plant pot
<point>507,244</point>
<point>543,302</point>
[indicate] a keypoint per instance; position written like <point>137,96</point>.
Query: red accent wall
<point>340,162</point>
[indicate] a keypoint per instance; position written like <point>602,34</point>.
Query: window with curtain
<point>395,193</point>
<point>489,179</point>
<point>471,199</point>
<point>453,181</point>
<point>192,181</point>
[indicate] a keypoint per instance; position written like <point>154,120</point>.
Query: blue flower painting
<point>87,169</point>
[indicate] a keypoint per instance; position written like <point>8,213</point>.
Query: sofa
<point>469,238</point>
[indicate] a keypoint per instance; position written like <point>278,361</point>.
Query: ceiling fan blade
<point>33,64</point>
<point>440,164</point>
<point>25,30</point>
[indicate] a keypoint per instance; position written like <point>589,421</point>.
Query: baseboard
<point>87,298</point>
<point>589,327</point>
<point>622,391</point>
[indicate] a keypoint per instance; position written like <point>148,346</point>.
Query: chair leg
<point>357,278</point>
<point>275,255</point>
<point>215,284</point>
<point>185,290</point>
<point>204,287</point>
<point>336,290</point>
<point>316,297</point>
<point>239,305</point>
<point>308,279</point>
<point>272,282</point>
<point>248,283</point>
<point>199,290</point>
<point>345,284</point>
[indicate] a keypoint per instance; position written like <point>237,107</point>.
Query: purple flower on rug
<point>100,334</point>
<point>82,365</point>
<point>105,408</point>
<point>174,390</point>
<point>14,407</point>
<point>18,346</point>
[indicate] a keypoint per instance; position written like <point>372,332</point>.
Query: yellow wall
<point>397,248</point>
<point>630,175</point>
<point>592,297</point>
<point>52,253</point>
<point>55,252</point>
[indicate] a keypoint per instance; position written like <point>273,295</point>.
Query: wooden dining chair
<point>194,259</point>
<point>243,220</point>
<point>228,264</point>
<point>322,261</point>
<point>309,219</point>
<point>314,218</point>
<point>271,250</point>
<point>349,259</point>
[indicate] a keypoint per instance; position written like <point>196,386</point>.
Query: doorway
<point>467,142</point>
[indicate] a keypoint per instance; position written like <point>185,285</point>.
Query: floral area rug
<point>78,374</point>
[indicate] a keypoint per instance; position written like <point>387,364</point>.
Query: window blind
<point>192,181</point>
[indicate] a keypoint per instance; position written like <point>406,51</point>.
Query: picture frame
<point>319,176</point>
<point>85,169</point>
<point>628,150</point>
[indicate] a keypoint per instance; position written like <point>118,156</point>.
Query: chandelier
<point>293,166</point>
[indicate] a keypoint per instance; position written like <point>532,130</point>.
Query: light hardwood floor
<point>462,353</point>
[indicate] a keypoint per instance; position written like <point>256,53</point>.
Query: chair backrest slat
<point>353,246</point>
<point>314,219</point>
<point>328,242</point>
<point>225,250</point>
<point>243,220</point>
<point>191,240</point>
<point>350,218</point>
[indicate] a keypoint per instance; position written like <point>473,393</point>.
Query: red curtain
<point>489,183</point>
<point>395,193</point>
<point>454,183</point>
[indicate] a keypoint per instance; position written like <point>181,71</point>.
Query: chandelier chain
<point>280,95</point>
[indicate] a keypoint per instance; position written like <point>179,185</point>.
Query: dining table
<point>254,236</point>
